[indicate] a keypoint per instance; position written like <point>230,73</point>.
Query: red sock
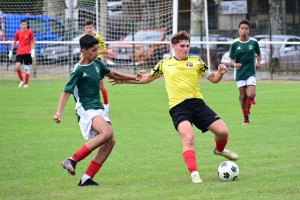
<point>249,106</point>
<point>93,168</point>
<point>189,157</point>
<point>220,146</point>
<point>105,96</point>
<point>81,153</point>
<point>20,74</point>
<point>27,79</point>
<point>245,112</point>
<point>249,102</point>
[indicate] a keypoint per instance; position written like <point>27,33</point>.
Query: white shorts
<point>250,81</point>
<point>86,118</point>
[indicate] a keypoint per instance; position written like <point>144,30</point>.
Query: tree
<point>277,16</point>
<point>197,16</point>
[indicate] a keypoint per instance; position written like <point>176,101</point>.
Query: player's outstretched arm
<point>61,104</point>
<point>121,76</point>
<point>143,78</point>
<point>217,75</point>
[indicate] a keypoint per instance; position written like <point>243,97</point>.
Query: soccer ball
<point>228,171</point>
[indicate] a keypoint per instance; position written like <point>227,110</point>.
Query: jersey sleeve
<point>16,36</point>
<point>31,36</point>
<point>157,71</point>
<point>257,49</point>
<point>102,45</point>
<point>203,70</point>
<point>74,77</point>
<point>232,51</point>
<point>103,68</point>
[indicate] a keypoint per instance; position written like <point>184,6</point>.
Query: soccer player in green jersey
<point>242,54</point>
<point>93,121</point>
<point>182,74</point>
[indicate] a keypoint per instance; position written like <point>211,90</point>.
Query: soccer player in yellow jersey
<point>182,74</point>
<point>89,29</point>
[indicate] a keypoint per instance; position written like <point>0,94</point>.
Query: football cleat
<point>246,122</point>
<point>227,154</point>
<point>69,165</point>
<point>196,177</point>
<point>21,83</point>
<point>88,182</point>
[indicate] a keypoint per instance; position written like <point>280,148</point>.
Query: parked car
<point>138,54</point>
<point>44,28</point>
<point>59,53</point>
<point>284,56</point>
<point>216,50</point>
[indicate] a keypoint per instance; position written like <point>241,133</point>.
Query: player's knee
<point>252,96</point>
<point>18,66</point>
<point>112,141</point>
<point>188,140</point>
<point>108,135</point>
<point>27,69</point>
<point>222,133</point>
<point>243,97</point>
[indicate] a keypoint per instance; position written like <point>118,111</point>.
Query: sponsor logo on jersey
<point>97,69</point>
<point>239,48</point>
<point>189,64</point>
<point>84,74</point>
<point>250,47</point>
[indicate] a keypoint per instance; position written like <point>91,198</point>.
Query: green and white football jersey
<point>244,53</point>
<point>84,84</point>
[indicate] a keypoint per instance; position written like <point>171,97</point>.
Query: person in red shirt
<point>25,52</point>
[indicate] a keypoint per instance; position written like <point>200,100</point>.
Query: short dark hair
<point>181,35</point>
<point>88,22</point>
<point>244,21</point>
<point>23,20</point>
<point>87,41</point>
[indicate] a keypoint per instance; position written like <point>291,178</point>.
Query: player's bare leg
<point>221,137</point>
<point>102,154</point>
<point>244,105</point>
<point>186,132</point>
<point>19,72</point>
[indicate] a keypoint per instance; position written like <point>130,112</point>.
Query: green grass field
<point>147,162</point>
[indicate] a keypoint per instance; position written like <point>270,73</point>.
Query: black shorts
<point>25,58</point>
<point>196,112</point>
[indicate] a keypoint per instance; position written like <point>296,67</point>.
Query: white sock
<point>71,159</point>
<point>84,178</point>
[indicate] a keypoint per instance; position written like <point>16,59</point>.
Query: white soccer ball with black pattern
<point>228,171</point>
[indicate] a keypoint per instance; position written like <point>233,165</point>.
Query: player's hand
<point>237,65</point>
<point>57,118</point>
<point>257,66</point>
<point>10,55</point>
<point>222,69</point>
<point>140,74</point>
<point>115,81</point>
<point>32,53</point>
